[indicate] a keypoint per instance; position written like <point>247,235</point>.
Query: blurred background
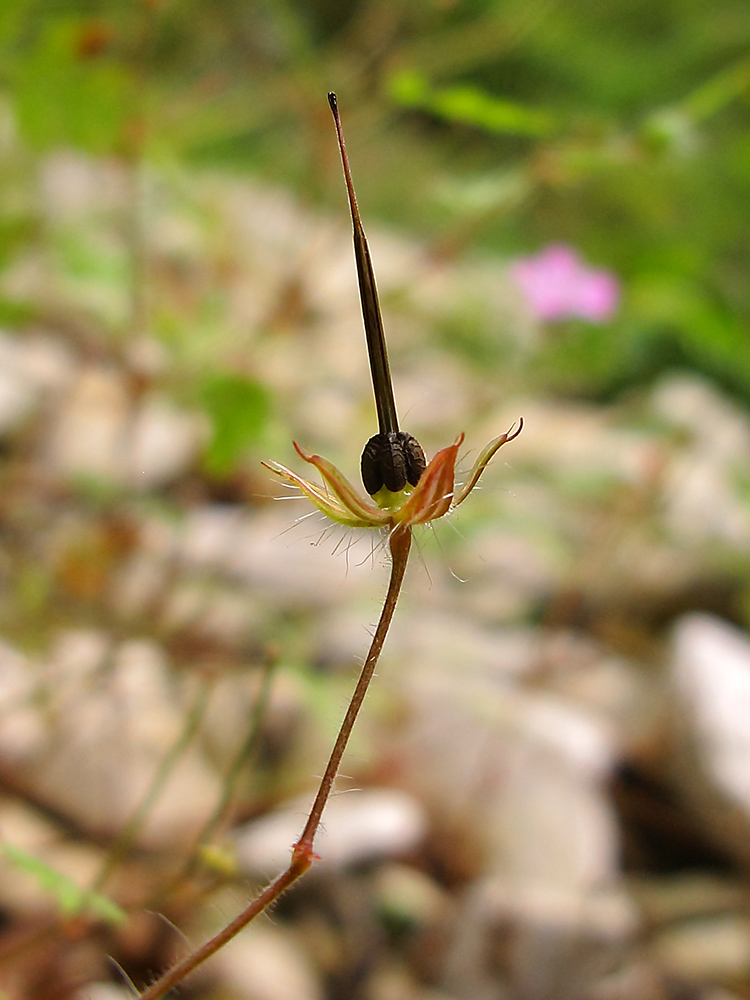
<point>548,793</point>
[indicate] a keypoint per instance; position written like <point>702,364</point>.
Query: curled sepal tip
<point>484,459</point>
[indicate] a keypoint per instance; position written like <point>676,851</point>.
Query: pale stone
<point>570,439</point>
<point>73,185</point>
<point>102,433</point>
<point>91,749</point>
<point>551,942</point>
<point>701,501</point>
<point>710,674</point>
<point>90,437</point>
<point>712,949</point>
<point>410,895</point>
<point>528,768</point>
<point>266,963</point>
<point>17,390</point>
<point>164,442</point>
<point>23,727</point>
<point>357,826</point>
<point>46,360</point>
<point>208,535</point>
<point>104,991</point>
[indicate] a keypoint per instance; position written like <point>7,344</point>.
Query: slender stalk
<point>303,854</point>
<point>400,543</point>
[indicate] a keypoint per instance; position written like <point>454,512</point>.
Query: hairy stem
<point>302,852</point>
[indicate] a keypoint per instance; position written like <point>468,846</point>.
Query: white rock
<point>47,361</point>
<point>699,493</point>
<point>551,943</point>
<point>694,404</point>
<point>357,826</point>
<point>701,502</point>
<point>520,774</point>
<point>90,436</point>
<point>208,535</point>
<point>102,433</point>
<point>314,563</point>
<point>710,671</point>
<point>711,949</point>
<point>573,440</point>
<point>75,658</point>
<point>163,442</point>
<point>92,747</point>
<point>17,390</point>
<point>139,583</point>
<point>23,727</point>
<point>73,185</point>
<point>266,963</point>
<point>104,991</point>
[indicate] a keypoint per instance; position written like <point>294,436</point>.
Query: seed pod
<point>392,459</point>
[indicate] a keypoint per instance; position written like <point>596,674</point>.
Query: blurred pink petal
<point>558,285</point>
<point>598,296</point>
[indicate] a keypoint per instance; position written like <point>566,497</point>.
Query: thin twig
<point>173,756</point>
<point>303,854</point>
<point>244,754</point>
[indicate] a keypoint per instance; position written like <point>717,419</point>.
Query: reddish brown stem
<point>400,544</point>
<point>303,854</point>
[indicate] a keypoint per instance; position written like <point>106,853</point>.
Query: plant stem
<point>303,854</point>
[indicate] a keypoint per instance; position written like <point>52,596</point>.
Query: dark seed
<point>392,459</point>
<point>415,460</point>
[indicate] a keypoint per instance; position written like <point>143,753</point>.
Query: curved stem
<point>400,543</point>
<point>302,852</point>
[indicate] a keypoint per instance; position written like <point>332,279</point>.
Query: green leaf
<point>720,90</point>
<point>469,105</point>
<point>70,898</point>
<point>62,98</point>
<point>239,409</point>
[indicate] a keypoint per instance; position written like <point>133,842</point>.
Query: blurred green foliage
<point>470,106</point>
<point>482,125</point>
<point>61,97</point>
<point>239,410</point>
<point>70,899</point>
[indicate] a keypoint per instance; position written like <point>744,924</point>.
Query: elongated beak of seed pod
<point>407,491</point>
<point>392,458</point>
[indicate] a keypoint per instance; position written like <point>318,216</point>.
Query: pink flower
<point>558,285</point>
